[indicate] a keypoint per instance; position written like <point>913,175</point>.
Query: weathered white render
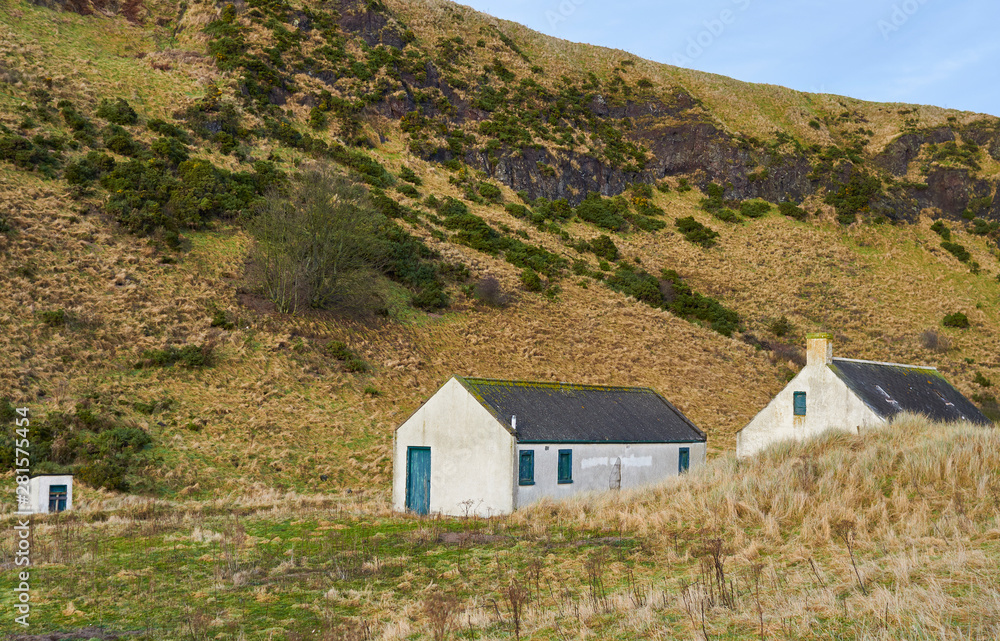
<point>475,460</point>
<point>472,455</point>
<point>603,466</point>
<point>830,404</point>
<point>39,488</point>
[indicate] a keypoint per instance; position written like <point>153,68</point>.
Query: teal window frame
<point>58,498</point>
<point>565,466</point>
<point>526,468</point>
<point>683,460</point>
<point>799,403</point>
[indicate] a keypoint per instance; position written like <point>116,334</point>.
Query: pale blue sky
<point>939,52</point>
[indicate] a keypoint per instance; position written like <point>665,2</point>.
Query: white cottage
<point>50,493</point>
<point>848,394</point>
<point>485,447</point>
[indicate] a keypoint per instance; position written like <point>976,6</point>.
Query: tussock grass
<point>889,534</point>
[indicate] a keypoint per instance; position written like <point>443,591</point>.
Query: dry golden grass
<point>888,534</point>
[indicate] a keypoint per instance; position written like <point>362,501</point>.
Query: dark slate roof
<point>889,388</point>
<point>567,413</point>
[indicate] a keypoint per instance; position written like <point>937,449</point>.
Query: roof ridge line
<point>555,384</point>
<point>861,360</point>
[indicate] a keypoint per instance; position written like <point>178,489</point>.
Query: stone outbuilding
<point>848,394</point>
<point>50,493</point>
<point>486,447</point>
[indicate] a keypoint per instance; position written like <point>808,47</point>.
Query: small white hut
<point>50,493</point>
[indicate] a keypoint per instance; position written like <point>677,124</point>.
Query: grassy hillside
<point>107,279</point>
<point>890,534</point>
<point>543,210</point>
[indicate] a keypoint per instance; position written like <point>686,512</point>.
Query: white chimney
<point>819,349</point>
<point>513,422</point>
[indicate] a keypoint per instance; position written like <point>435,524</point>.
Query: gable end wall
<point>830,404</point>
<point>472,455</point>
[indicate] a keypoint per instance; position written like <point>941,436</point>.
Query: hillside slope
<point>134,144</point>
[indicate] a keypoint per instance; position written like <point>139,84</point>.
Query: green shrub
<point>854,196</point>
<point>663,186</point>
<point>407,174</point>
<point>957,250</point>
<point>119,112</point>
<point>695,232</point>
<point>781,326</point>
<point>981,227</point>
<point>490,192</point>
<point>189,356</point>
<point>170,149</point>
<point>958,319</point>
<point>89,168</point>
<point>74,119</point>
<point>642,190</point>
<point>639,284</point>
<point>531,280</point>
<point>941,229</point>
<point>755,208</point>
<point>727,215</point>
<point>53,318</point>
<point>517,211</point>
<point>595,209</point>
<point>981,380</point>
<point>5,226</point>
<point>30,154</point>
<point>221,319</point>
<point>683,301</point>
<point>165,128</point>
<point>604,247</point>
<point>792,211</point>
<point>408,190</point>
<point>683,185</point>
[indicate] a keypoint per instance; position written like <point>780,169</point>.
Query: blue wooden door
<point>418,479</point>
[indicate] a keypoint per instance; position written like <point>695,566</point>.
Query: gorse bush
<point>475,232</point>
<point>792,211</point>
<point>347,356</point>
<point>755,208</point>
<point>670,292</point>
<point>598,211</point>
<point>957,250</point>
<point>604,247</point>
<point>957,319</point>
<point>695,232</point>
<point>531,280</point>
<point>941,229</point>
<point>117,111</point>
<point>189,356</point>
<point>98,447</point>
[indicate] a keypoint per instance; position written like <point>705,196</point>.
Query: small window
<point>683,460</point>
<point>57,498</point>
<point>800,403</point>
<point>565,466</point>
<point>526,469</point>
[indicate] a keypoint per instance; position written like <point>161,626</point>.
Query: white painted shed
<point>486,447</point>
<point>848,394</point>
<point>50,493</point>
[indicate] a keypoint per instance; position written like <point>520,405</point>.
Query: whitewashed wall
<point>38,491</point>
<point>472,455</point>
<point>830,404</point>
<point>642,464</point>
